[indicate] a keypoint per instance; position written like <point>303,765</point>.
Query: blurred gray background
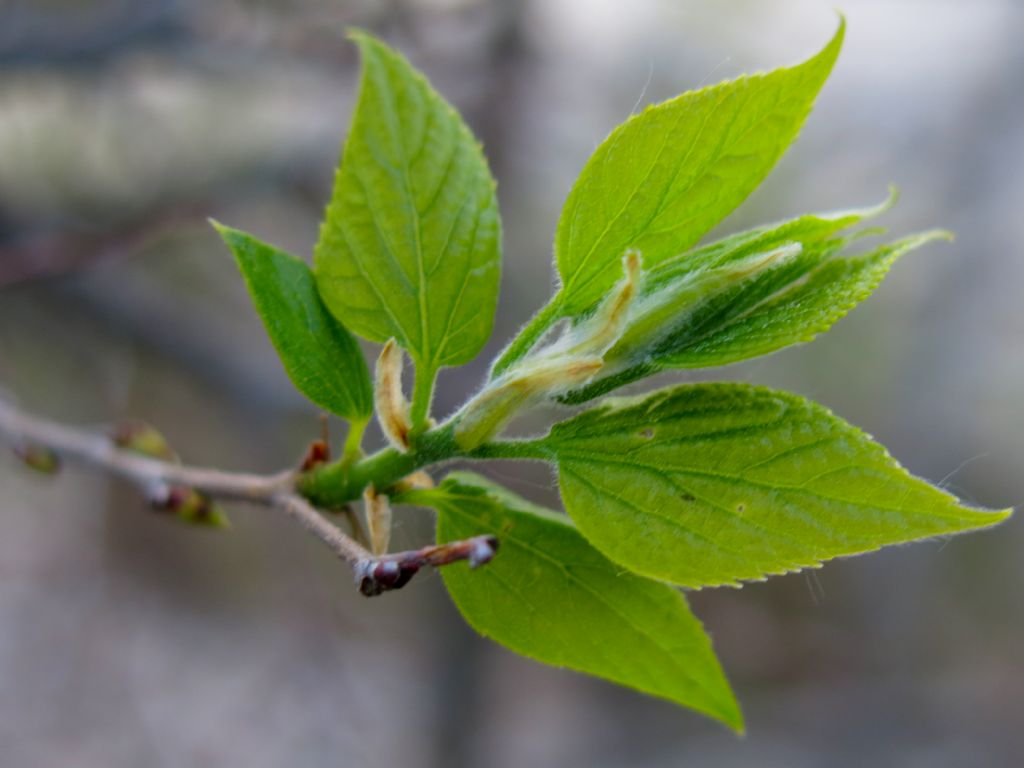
<point>128,640</point>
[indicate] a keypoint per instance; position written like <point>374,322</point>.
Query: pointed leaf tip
<point>666,176</point>
<point>714,484</point>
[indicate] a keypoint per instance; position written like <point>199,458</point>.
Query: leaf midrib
<point>605,459</point>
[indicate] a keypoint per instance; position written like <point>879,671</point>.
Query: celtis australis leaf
<point>710,484</point>
<point>410,244</point>
<point>551,596</point>
<point>752,294</point>
<point>666,176</point>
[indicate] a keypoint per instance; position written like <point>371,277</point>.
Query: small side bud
<point>392,407</point>
<point>189,505</point>
<point>38,458</point>
<point>485,415</point>
<point>378,520</point>
<point>317,454</point>
<point>139,437</point>
<point>319,451</point>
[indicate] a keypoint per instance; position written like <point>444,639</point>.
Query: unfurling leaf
<point>410,245</point>
<point>749,295</point>
<point>710,484</point>
<point>553,370</point>
<point>321,357</point>
<point>797,313</point>
<point>526,384</point>
<point>551,596</point>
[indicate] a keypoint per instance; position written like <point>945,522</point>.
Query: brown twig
<point>379,574</point>
<point>374,573</point>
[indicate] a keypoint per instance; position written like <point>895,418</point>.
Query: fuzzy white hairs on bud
<point>391,406</point>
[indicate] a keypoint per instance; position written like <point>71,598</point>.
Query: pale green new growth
<point>696,485</point>
<point>795,313</point>
<point>410,244</point>
<point>747,295</point>
<point>710,484</point>
<point>554,598</point>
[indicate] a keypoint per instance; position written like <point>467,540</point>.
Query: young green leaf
<point>663,178</point>
<point>410,245</point>
<point>551,596</point>
<point>796,314</point>
<point>784,287</point>
<point>321,357</point>
<point>710,484</point>
<point>810,230</point>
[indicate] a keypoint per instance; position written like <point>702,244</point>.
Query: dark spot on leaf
<point>741,508</point>
<point>647,434</point>
<point>687,497</point>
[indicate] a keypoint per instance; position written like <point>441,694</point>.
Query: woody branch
<point>157,480</point>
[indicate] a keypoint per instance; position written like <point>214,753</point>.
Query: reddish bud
<point>318,453</point>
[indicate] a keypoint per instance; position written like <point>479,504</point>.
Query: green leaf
<point>710,484</point>
<point>321,357</point>
<point>551,596</point>
<point>751,295</point>
<point>809,230</point>
<point>410,245</point>
<point>665,177</point>
<point>768,320</point>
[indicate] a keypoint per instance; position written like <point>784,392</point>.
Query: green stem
<point>422,394</point>
<point>353,449</point>
<point>527,337</point>
<point>512,449</point>
<point>336,484</point>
